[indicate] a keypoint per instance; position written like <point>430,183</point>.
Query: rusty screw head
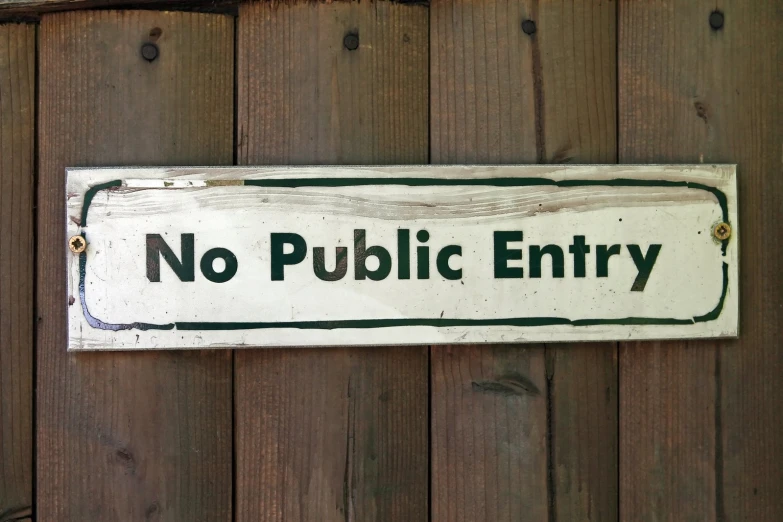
<point>529,27</point>
<point>351,41</point>
<point>149,51</point>
<point>722,231</point>
<point>77,244</point>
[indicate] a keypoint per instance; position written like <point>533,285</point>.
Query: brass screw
<point>77,244</point>
<point>722,231</point>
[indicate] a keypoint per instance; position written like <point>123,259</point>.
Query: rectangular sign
<point>170,258</point>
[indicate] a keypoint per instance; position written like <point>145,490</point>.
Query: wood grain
<point>335,434</point>
<point>700,426</point>
<point>579,97</point>
<point>500,95</point>
<point>128,436</point>
<point>332,434</point>
<point>489,433</point>
<point>582,384</point>
<point>17,145</point>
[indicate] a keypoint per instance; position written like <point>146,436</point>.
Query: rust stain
<point>224,182</point>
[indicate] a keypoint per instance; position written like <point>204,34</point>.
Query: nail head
<point>716,20</point>
<point>528,27</point>
<point>149,51</point>
<point>351,41</point>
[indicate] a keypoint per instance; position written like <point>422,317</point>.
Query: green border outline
<point>437,322</point>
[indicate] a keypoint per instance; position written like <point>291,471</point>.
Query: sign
<point>319,256</point>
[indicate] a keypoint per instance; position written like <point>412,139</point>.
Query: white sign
<point>321,256</point>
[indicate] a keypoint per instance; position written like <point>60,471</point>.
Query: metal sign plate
<point>170,258</point>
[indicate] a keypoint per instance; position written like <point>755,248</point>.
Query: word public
<point>289,249</point>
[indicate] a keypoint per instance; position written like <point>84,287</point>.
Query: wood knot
<point>152,510</point>
<point>701,111</point>
<point>511,383</point>
<point>16,513</point>
<point>125,458</point>
<point>564,154</point>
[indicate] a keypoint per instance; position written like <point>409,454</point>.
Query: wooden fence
<point>604,432</point>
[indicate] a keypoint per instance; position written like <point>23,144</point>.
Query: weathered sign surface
<point>318,256</point>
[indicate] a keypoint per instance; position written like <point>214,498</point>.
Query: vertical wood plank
<point>579,96</point>
<point>700,426</point>
<point>142,435</point>
<point>17,134</point>
<point>489,433</point>
<point>332,434</point>
<point>523,432</point>
<point>583,393</point>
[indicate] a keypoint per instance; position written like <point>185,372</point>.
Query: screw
<point>149,51</point>
<point>528,27</point>
<point>351,41</point>
<point>722,231</point>
<point>716,20</point>
<point>77,244</point>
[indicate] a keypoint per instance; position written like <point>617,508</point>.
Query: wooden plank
<point>504,93</point>
<point>700,426</point>
<point>17,163</point>
<point>579,96</point>
<point>14,9</point>
<point>128,436</point>
<point>337,434</point>
<point>489,433</point>
<point>582,380</point>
